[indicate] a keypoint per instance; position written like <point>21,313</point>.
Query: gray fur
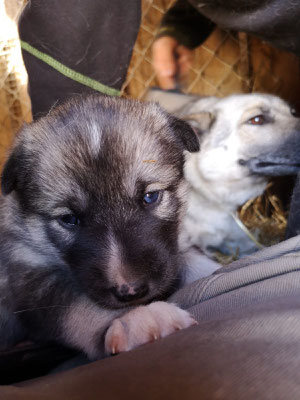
<point>94,158</point>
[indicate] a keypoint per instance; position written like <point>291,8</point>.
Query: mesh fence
<point>226,63</point>
<point>220,66</point>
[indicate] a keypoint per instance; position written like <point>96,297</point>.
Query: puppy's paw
<point>145,324</point>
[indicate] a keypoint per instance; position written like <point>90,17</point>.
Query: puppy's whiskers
<point>40,308</point>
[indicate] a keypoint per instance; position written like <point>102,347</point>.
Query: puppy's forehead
<point>237,105</point>
<point>110,141</point>
<point>96,119</point>
<point>138,150</point>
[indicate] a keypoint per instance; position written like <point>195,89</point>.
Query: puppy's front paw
<point>145,324</point>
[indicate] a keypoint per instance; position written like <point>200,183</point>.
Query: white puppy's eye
<point>257,120</point>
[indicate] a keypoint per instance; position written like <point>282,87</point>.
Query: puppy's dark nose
<point>130,292</point>
<point>295,112</point>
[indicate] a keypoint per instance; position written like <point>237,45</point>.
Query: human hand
<point>171,61</point>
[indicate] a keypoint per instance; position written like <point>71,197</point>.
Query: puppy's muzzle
<point>283,159</point>
<point>131,291</point>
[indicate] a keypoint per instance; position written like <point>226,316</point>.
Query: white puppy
<point>244,140</point>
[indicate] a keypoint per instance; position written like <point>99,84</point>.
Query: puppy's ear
<point>202,120</point>
<point>185,134</point>
<point>11,172</point>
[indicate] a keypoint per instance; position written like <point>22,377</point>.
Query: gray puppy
<point>89,221</point>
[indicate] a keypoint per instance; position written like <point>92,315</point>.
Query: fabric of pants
<point>91,37</point>
<point>246,344</point>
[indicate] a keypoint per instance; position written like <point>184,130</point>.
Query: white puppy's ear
<point>202,120</point>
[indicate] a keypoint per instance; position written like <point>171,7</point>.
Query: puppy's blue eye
<point>69,219</point>
<point>150,198</point>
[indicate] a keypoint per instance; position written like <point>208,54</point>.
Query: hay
<point>265,217</point>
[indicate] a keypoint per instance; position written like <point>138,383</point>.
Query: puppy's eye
<point>257,120</point>
<point>151,198</point>
<point>69,220</point>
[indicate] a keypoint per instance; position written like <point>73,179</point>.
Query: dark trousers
<point>92,37</point>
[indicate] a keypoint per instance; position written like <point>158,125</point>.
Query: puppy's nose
<point>295,112</point>
<point>129,292</point>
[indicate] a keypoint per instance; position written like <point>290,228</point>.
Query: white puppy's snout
<point>295,112</point>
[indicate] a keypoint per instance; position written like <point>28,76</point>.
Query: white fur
<point>145,324</point>
<point>83,322</point>
<point>197,266</point>
<point>218,183</point>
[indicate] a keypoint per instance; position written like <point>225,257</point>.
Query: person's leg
<point>246,346</point>
<point>94,38</point>
<point>251,353</point>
